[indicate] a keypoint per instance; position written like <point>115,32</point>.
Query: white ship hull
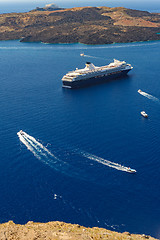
<point>94,80</point>
<point>94,75</point>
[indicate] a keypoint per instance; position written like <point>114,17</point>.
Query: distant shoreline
<point>38,42</point>
<point>87,44</point>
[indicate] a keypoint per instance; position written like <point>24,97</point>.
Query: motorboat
<point>144,114</point>
<point>139,90</point>
<point>130,170</point>
<point>82,54</point>
<point>21,132</point>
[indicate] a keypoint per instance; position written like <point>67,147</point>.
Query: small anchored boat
<point>144,114</point>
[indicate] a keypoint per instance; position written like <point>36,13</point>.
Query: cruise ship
<point>92,74</point>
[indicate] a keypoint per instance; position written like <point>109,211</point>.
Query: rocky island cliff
<point>61,231</point>
<point>88,25</point>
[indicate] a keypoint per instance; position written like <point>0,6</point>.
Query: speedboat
<point>139,91</point>
<point>21,132</point>
<point>144,114</point>
<point>130,170</point>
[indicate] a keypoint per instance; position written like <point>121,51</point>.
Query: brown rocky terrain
<point>89,25</point>
<point>61,231</point>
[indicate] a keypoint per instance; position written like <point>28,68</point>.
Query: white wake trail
<point>89,56</point>
<point>28,145</point>
<point>38,146</point>
<point>45,156</point>
<point>149,96</point>
<point>41,152</point>
<point>107,162</point>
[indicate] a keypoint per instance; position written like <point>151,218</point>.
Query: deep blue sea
<point>70,180</point>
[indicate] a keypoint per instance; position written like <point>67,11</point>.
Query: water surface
<point>103,121</point>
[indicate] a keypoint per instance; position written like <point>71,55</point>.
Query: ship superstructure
<point>92,74</point>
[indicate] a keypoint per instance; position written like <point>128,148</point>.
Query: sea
<point>7,6</point>
<point>69,164</point>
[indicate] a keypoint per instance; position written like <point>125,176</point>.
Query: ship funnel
<point>89,66</point>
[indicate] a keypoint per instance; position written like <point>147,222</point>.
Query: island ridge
<point>88,25</point>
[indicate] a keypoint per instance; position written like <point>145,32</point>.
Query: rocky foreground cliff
<point>61,231</point>
<point>89,25</point>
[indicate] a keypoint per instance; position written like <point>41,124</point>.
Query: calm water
<point>24,6</point>
<point>68,183</point>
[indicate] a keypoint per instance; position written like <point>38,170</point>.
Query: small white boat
<point>82,54</point>
<point>144,114</point>
<point>139,91</point>
<point>130,170</point>
<point>21,132</point>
